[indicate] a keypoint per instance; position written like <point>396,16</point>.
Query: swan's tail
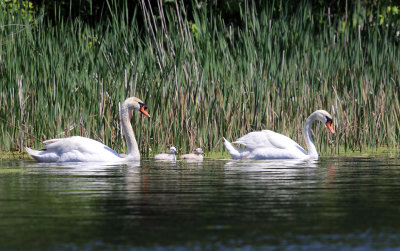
<point>42,156</point>
<point>233,151</point>
<point>32,152</point>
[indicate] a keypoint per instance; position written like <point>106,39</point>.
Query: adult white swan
<point>267,144</point>
<point>81,149</point>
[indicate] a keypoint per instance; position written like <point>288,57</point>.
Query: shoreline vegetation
<point>202,77</point>
<point>382,151</point>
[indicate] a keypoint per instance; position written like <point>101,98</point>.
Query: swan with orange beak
<point>268,144</point>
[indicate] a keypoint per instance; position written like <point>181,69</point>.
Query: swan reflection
<point>272,164</point>
<point>82,168</point>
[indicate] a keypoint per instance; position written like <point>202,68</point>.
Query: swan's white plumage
<point>75,149</point>
<point>267,138</point>
<point>81,149</point>
<point>167,156</point>
<point>267,144</point>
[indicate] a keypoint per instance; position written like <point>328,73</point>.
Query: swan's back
<point>74,149</point>
<point>254,140</point>
<point>268,139</point>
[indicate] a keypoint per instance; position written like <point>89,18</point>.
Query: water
<point>332,204</point>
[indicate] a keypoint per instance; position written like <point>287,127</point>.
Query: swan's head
<point>325,118</point>
<point>173,150</point>
<point>198,151</point>
<point>137,104</point>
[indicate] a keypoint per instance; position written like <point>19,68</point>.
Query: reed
<point>200,77</point>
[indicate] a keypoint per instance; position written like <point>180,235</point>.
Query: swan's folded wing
<point>77,143</point>
<point>51,141</point>
<point>281,141</point>
<point>254,140</point>
<point>268,139</point>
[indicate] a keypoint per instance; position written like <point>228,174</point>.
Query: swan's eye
<point>328,120</point>
<point>142,106</point>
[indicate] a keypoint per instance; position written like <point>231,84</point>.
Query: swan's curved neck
<point>312,150</point>
<point>131,143</point>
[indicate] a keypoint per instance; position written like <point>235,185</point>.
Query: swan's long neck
<point>312,150</point>
<point>131,143</point>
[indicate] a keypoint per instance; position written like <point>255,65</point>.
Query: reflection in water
<point>80,168</point>
<point>267,165</point>
<point>331,204</point>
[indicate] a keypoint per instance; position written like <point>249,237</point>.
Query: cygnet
<point>167,156</point>
<point>197,155</point>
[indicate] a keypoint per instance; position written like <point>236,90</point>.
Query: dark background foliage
<point>93,11</point>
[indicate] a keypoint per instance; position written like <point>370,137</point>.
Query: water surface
<point>335,203</point>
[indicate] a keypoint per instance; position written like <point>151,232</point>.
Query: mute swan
<point>167,156</point>
<point>81,149</point>
<point>267,144</point>
<point>197,155</point>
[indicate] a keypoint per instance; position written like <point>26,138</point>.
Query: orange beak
<point>330,127</point>
<point>144,111</point>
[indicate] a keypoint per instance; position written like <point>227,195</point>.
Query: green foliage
<point>24,9</point>
<point>202,78</point>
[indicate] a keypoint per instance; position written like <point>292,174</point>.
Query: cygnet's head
<point>198,151</point>
<point>173,150</point>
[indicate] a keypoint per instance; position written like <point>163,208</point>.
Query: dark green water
<point>336,203</point>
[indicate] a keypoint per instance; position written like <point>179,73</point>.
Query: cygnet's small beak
<point>330,127</point>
